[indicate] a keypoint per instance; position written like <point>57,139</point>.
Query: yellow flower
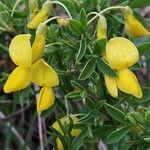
<point>41,16</point>
<point>121,53</point>
<point>126,82</point>
<point>111,85</point>
<point>46,99</point>
<point>33,6</point>
<point>63,22</point>
<point>65,120</point>
<point>19,79</point>
<point>20,50</point>
<point>101,28</point>
<point>39,43</point>
<point>44,75</point>
<point>132,25</point>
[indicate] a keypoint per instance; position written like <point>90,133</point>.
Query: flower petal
<point>44,75</point>
<point>59,144</point>
<point>38,48</point>
<point>46,99</point>
<point>121,53</point>
<point>19,79</point>
<point>128,83</point>
<point>132,25</point>
<point>111,86</point>
<point>20,50</point>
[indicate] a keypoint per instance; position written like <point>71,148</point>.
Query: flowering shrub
<point>77,61</point>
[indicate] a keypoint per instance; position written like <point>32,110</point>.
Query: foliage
<point>76,55</point>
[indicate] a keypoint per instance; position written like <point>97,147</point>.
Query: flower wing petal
<point>44,75</point>
<point>19,79</point>
<point>128,83</point>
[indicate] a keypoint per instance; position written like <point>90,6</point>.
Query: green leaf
<point>76,27</point>
<point>83,18</point>
<point>100,46</point>
<point>73,94</point>
<point>139,3</point>
<point>82,49</point>
<point>136,66</point>
<point>116,135</point>
<point>78,141</point>
<point>88,69</point>
<point>104,68</point>
<point>144,48</point>
<point>77,85</point>
<point>115,113</point>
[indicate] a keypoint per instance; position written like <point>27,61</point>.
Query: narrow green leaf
<point>83,18</point>
<point>115,113</point>
<point>76,27</point>
<point>73,94</point>
<point>104,68</point>
<point>77,142</point>
<point>116,135</point>
<point>82,49</point>
<point>136,66</point>
<point>139,3</point>
<point>88,69</point>
<point>144,48</point>
<point>77,85</point>
<point>100,46</point>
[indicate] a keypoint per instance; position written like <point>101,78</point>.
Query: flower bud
<point>102,28</point>
<point>41,16</point>
<point>132,25</point>
<point>63,22</point>
<point>33,6</point>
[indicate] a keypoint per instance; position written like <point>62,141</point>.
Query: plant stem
<point>53,18</point>
<point>17,2</point>
<point>61,4</point>
<point>103,11</point>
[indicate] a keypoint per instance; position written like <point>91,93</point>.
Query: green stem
<point>13,10</point>
<point>61,4</point>
<point>53,18</point>
<point>103,11</point>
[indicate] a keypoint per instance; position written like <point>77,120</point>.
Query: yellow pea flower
<point>39,43</point>
<point>20,50</point>
<point>101,28</point>
<point>132,25</point>
<point>44,75</point>
<point>19,79</point>
<point>41,16</point>
<point>111,86</point>
<point>33,6</point>
<point>65,120</point>
<point>63,22</point>
<point>121,53</point>
<point>128,83</point>
<point>46,99</point>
